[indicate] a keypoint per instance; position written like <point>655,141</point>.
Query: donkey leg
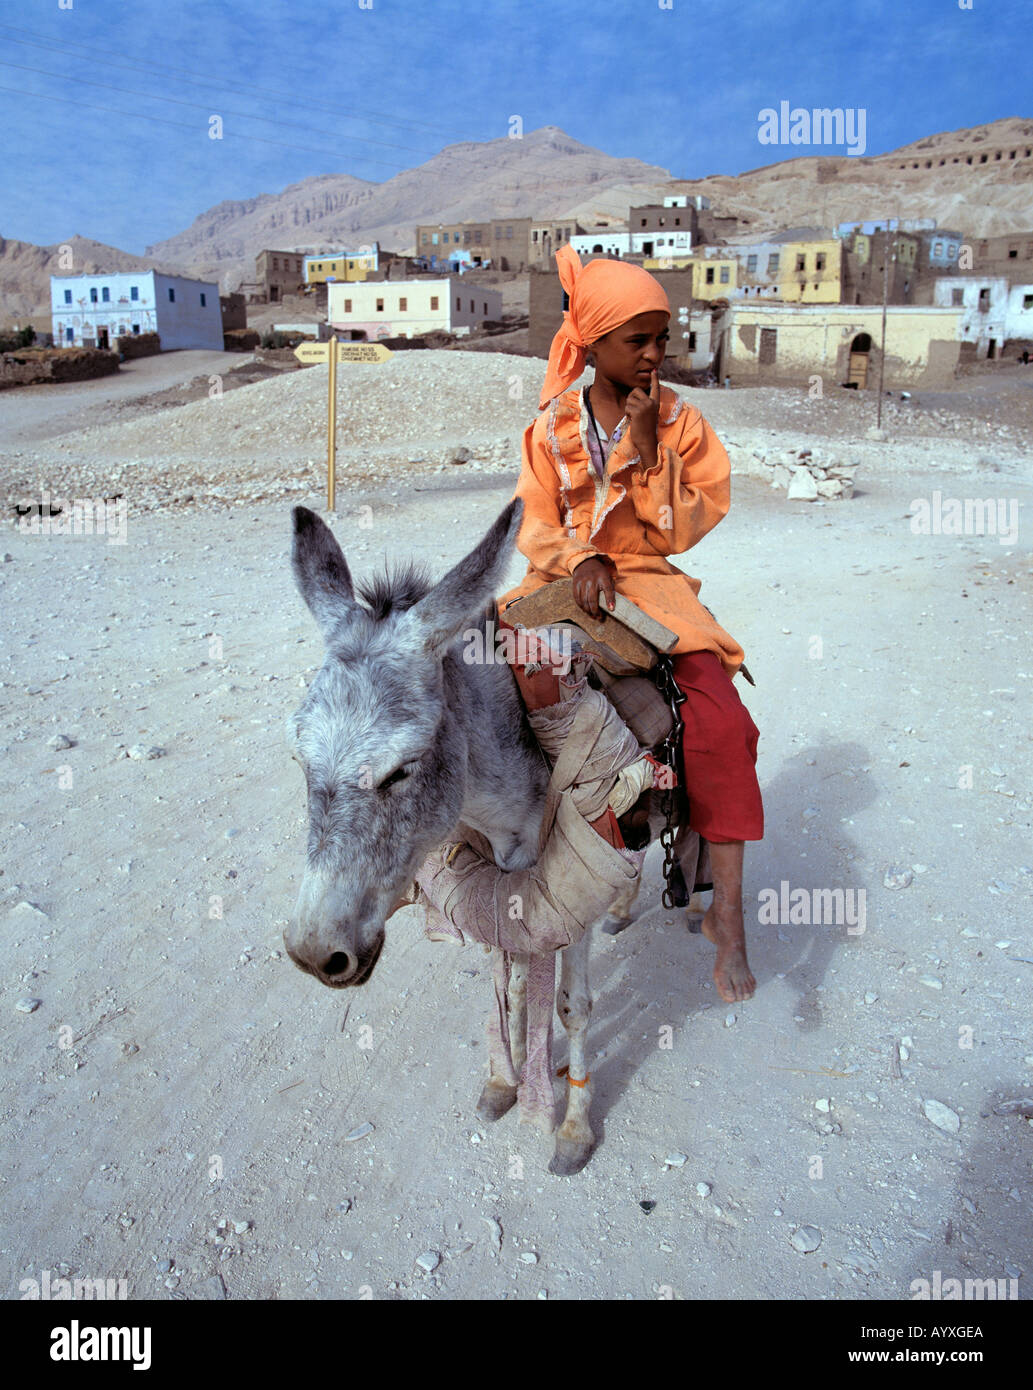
<point>619,915</point>
<point>574,1138</point>
<point>498,1094</point>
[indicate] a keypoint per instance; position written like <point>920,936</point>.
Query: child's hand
<point>592,578</point>
<point>644,412</point>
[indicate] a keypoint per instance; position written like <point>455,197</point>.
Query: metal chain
<point>669,753</point>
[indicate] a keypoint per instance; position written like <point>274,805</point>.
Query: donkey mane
<point>395,589</point>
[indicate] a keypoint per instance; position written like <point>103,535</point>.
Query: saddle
<point>626,645</point>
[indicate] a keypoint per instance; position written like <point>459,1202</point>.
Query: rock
<point>729,1020</point>
<point>60,741</point>
<point>830,487</point>
<point>805,1239</point>
<point>25,914</point>
<point>870,998</point>
<point>942,1116</point>
<point>873,432</point>
<point>359,1132</point>
<point>781,476</point>
<point>164,1266</point>
<point>239,1227</point>
<point>461,456</point>
<point>897,878</point>
<point>703,1189</point>
<point>676,1160</point>
<point>931,981</point>
<point>647,1206</point>
<point>802,488</point>
<point>28,1006</point>
<point>528,1257</point>
<point>824,1105</point>
<point>140,752</point>
<point>495,1231</point>
<point>428,1261</point>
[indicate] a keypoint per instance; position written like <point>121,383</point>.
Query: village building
<point>277,273</point>
<point>547,237</point>
<point>234,311</point>
<point>986,303</point>
<point>1010,256</point>
<point>868,276</point>
<point>327,266</point>
<point>503,243</point>
<point>367,311</point>
<point>95,310</point>
<point>663,229</point>
<point>608,240</point>
<point>791,344</point>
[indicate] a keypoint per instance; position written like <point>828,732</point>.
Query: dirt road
<point>179,1072</point>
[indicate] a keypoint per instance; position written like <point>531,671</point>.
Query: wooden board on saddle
<point>623,641</point>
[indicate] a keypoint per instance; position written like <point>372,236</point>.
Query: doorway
<point>860,348</point>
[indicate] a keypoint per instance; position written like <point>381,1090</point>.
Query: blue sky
<point>373,90</point>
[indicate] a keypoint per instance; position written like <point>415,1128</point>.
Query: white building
<point>985,303</point>
<point>94,310</point>
<point>1018,320</point>
<point>602,241</point>
<point>365,310</point>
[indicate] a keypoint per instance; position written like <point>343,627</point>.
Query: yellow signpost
<point>332,353</point>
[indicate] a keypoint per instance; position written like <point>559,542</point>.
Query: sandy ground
<point>179,1072</point>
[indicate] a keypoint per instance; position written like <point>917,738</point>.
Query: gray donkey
<point>400,739</point>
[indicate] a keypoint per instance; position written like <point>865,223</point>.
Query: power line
<point>68,50</point>
<point>207,106</point>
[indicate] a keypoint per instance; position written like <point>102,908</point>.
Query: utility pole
<point>885,296</point>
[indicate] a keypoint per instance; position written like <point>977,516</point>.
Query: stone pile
<point>805,474</point>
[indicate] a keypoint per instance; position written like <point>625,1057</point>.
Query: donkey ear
<point>320,571</point>
<point>467,588</point>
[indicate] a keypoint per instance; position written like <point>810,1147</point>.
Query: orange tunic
<point>571,514</point>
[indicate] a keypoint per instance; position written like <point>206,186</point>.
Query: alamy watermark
<point>966,516</point>
<point>818,126</point>
<point>813,907</point>
<point>84,516</point>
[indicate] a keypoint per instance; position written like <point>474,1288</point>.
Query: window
<point>433,301</point>
<point>1013,253</point>
<point>276,262</point>
<point>677,221</point>
<point>692,342</point>
<point>534,236</point>
<point>984,300</point>
<point>434,238</point>
<point>773,263</point>
<point>172,295</point>
<point>477,236</point>
<point>69,335</point>
<point>459,302</point>
<point>724,275</point>
<point>347,306</point>
<point>801,262</point>
<point>710,274</point>
<point>751,264</point>
<point>105,295</point>
<point>643,221</point>
<point>957,297</point>
<point>93,294</point>
<point>820,261</point>
<point>136,328</point>
<point>937,248</point>
<point>471,306</point>
<point>509,233</point>
<point>1027,301</point>
<point>203,300</point>
<point>485,311</point>
<point>403,305</point>
<point>134,292</point>
<point>426,238</point>
<point>68,296</point>
<point>380,306</point>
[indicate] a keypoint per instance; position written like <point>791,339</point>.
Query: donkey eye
<point>399,775</point>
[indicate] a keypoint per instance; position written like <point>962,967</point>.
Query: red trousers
<point>719,746</point>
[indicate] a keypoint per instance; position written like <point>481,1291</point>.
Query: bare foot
<point>732,974</point>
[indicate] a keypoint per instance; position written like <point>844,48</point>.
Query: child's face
<point>629,354</point>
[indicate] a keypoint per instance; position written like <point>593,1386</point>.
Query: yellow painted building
<point>811,272</point>
<point>791,344</point>
<point>346,266</point>
<point>712,277</point>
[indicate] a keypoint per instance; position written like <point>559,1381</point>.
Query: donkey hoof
<point>495,1100</point>
<point>612,926</point>
<point>570,1156</point>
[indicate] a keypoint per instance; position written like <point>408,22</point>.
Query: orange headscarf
<point>603,295</point>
